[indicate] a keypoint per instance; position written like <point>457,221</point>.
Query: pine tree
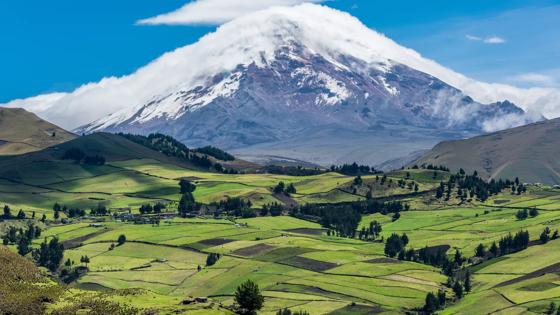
<point>249,298</point>
<point>458,290</point>
<point>468,284</point>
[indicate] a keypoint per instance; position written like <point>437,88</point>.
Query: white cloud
<point>255,38</point>
<point>533,78</point>
<point>494,40</point>
<point>487,40</point>
<point>472,37</point>
<point>216,12</point>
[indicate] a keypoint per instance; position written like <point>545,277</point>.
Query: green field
<point>295,262</point>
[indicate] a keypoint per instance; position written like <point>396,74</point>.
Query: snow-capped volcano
<point>287,79</point>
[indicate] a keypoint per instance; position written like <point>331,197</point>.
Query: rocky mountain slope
<point>309,83</point>
<point>530,152</point>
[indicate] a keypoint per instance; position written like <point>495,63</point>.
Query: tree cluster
<point>78,155</point>
<point>49,254</point>
<point>395,244</point>
<point>471,186</point>
<point>281,188</point>
<point>174,148</point>
<point>354,169</point>
<point>274,209</point>
<point>371,232</point>
<point>216,153</point>
<point>292,170</point>
<point>342,219</point>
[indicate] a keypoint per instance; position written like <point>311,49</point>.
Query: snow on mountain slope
<point>255,39</point>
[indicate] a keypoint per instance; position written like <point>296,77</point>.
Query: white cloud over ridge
<point>254,38</point>
<point>216,12</point>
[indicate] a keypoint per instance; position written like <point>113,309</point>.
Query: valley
<point>297,260</point>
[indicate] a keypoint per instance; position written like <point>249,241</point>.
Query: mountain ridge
<point>529,152</point>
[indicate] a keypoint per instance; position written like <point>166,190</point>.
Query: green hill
<point>22,132</point>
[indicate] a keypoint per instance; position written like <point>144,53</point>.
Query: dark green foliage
<point>100,210</point>
<point>216,153</point>
<point>291,189</point>
<point>480,251</point>
<point>234,206</point>
<point>395,244</point>
<point>458,290</point>
<point>287,311</point>
<point>75,154</point>
<point>354,169</point>
<point>545,235</point>
<point>187,205</point>
<point>522,214</point>
<point>20,215</point>
<point>358,180</point>
<point>186,186</point>
<point>494,249</point>
<point>468,284</point>
<point>94,160</point>
<point>50,254</point>
<point>510,244</point>
<point>121,240</point>
<point>292,170</point>
<point>533,212</point>
<point>212,259</point>
<point>7,212</point>
<point>249,298</point>
<point>343,219</point>
<point>173,148</point>
<point>279,188</point>
<point>432,303</point>
<point>274,209</point>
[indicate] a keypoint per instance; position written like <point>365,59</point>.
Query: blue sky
<point>59,45</point>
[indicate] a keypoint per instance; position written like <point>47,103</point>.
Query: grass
<point>301,271</point>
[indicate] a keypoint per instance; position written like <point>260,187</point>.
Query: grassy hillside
<point>297,262</point>
<point>529,152</point>
<point>22,132</point>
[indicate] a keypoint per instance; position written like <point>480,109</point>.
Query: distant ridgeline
<point>172,147</point>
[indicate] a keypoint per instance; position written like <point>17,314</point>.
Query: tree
<point>85,260</point>
<point>358,180</point>
<point>7,212</point>
<point>186,186</point>
<point>393,245</point>
<point>494,249</point>
<point>279,188</point>
<point>249,297</point>
<point>50,254</point>
<point>468,284</point>
<point>552,308</point>
<point>291,189</point>
<point>533,212</point>
<point>211,259</point>
<point>441,298</point>
<point>458,258</point>
<point>480,251</point>
<point>458,290</point>
<point>20,215</point>
<point>186,204</point>
<point>287,311</point>
<point>121,240</point>
<point>432,303</point>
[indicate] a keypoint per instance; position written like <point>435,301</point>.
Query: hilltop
<point>23,132</point>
